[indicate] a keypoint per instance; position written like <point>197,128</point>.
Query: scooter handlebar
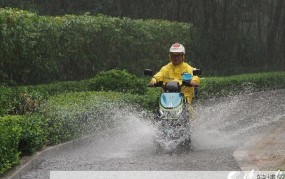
<point>159,84</point>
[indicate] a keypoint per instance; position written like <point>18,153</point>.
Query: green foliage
<point>55,88</point>
<point>28,99</point>
<point>71,115</point>
<point>33,135</point>
<point>6,100</point>
<point>222,86</point>
<point>20,135</point>
<point>147,101</point>
<point>37,49</point>
<point>9,139</point>
<point>20,100</point>
<point>118,80</point>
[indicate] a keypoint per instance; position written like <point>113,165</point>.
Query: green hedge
<point>147,101</point>
<point>20,135</point>
<point>72,115</point>
<point>6,100</point>
<point>28,99</point>
<point>39,49</point>
<point>118,80</point>
<point>34,135</point>
<point>36,49</point>
<point>233,85</point>
<point>9,140</point>
<point>21,100</point>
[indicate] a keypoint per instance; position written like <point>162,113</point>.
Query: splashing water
<point>132,134</point>
<point>219,123</point>
<point>231,121</point>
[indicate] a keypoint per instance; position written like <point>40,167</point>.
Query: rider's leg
<point>190,109</point>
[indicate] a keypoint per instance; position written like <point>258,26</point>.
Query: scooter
<point>173,115</point>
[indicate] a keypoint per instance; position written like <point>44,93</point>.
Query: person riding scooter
<point>174,69</point>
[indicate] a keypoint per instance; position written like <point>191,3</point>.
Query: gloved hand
<point>186,83</point>
<point>191,83</point>
<point>194,83</point>
<point>151,84</point>
<point>155,84</point>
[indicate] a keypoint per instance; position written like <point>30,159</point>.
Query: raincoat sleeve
<point>159,76</point>
<point>196,79</point>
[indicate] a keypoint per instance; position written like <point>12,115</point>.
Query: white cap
<point>176,48</point>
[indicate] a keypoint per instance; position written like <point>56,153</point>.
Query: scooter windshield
<point>171,100</point>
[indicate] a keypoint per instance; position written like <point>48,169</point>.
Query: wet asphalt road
<point>106,155</point>
<point>221,126</point>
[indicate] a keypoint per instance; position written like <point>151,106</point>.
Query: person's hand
<point>151,84</point>
<point>194,83</point>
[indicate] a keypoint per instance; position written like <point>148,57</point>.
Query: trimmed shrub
<point>28,99</point>
<point>9,140</point>
<point>7,102</point>
<point>118,80</point>
<point>147,101</point>
<point>72,115</point>
<point>233,85</point>
<point>40,49</point>
<point>33,135</point>
<point>20,100</point>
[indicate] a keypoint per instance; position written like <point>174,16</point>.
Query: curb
<point>251,156</point>
<point>27,163</point>
<point>241,155</point>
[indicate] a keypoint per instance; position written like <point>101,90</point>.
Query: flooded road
<point>221,126</point>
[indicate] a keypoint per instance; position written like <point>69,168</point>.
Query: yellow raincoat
<point>170,72</point>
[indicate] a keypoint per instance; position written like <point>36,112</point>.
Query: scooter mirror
<point>147,72</point>
<point>197,72</point>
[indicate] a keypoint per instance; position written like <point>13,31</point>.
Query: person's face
<point>176,58</point>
